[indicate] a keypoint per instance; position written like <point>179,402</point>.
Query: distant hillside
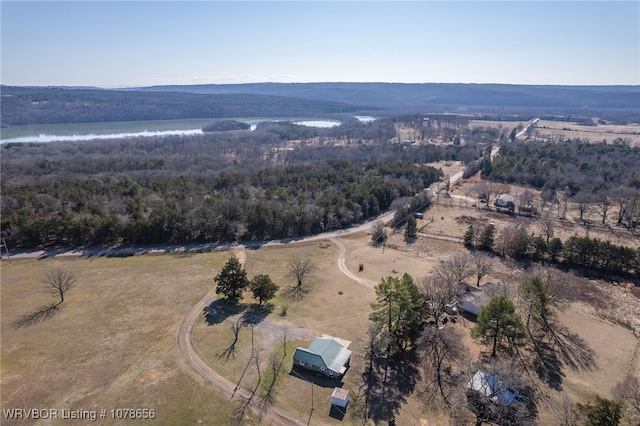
<point>433,94</point>
<point>39,105</point>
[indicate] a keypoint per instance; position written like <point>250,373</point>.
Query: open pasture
<point>111,343</point>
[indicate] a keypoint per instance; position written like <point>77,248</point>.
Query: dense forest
<point>38,105</point>
<point>584,100</point>
<point>211,187</point>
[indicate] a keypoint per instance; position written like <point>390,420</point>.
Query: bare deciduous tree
<point>583,200</point>
<point>565,411</point>
<point>59,281</point>
<point>485,189</point>
<point>300,271</point>
<point>525,201</point>
<point>378,233</point>
<point>482,266</point>
<point>603,205</point>
<point>622,196</point>
<point>628,390</point>
<point>546,222</point>
<point>437,293</point>
<point>442,348</point>
<point>460,266</point>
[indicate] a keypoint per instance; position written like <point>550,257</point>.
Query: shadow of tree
<point>254,314</point>
<point>230,351</point>
<point>385,400</point>
<point>41,314</point>
<point>572,349</point>
<point>296,292</point>
<point>548,365</point>
<point>559,348</point>
<point>219,310</point>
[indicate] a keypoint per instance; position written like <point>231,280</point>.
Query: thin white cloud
<point>231,79</point>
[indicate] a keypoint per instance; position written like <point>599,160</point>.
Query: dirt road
<point>184,346</point>
<point>343,267</point>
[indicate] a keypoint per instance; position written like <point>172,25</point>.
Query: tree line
<point>160,205</point>
<point>516,242</point>
<point>44,105</point>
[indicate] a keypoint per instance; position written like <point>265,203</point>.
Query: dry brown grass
<point>452,216</point>
<point>497,124</point>
<point>334,305</point>
<point>111,343</point>
<point>595,134</point>
<point>554,130</point>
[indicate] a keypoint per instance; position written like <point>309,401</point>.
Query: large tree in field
<point>500,326</point>
<point>232,279</point>
<point>482,266</point>
<point>537,303</point>
<point>411,228</point>
<point>263,288</point>
<point>437,292</point>
<point>59,281</point>
<point>397,311</point>
<point>378,233</point>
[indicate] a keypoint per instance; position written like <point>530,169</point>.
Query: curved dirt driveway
<point>184,345</point>
<point>343,267</point>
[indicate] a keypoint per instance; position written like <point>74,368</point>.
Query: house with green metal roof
<point>325,356</point>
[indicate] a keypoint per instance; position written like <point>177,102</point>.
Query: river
<point>132,129</point>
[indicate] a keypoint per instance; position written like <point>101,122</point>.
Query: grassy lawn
<point>110,344</point>
<point>334,305</point>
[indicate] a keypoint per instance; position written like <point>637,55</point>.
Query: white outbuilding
<point>340,397</point>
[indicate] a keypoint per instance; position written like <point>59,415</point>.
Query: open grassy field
<point>596,134</point>
<point>553,130</point>
<point>110,345</point>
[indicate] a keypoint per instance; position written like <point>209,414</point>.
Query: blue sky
<point>139,43</point>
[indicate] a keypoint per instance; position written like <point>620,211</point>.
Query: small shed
<point>340,397</point>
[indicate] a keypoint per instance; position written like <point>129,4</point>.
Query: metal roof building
<point>323,355</point>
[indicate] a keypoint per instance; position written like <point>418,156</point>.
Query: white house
<point>489,386</point>
<point>505,201</point>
